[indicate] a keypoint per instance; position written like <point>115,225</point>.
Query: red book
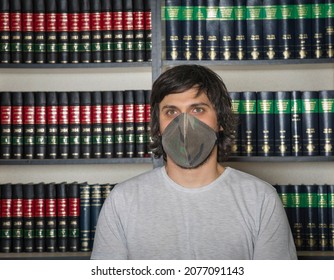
<point>107,35</point>
<point>40,125</point>
<point>63,120</point>
<point>5,126</point>
<point>139,113</point>
<point>96,31</point>
<point>50,217</point>
<point>62,217</point>
<point>17,199</point>
<point>28,217</point>
<point>128,27</point>
<point>129,123</point>
<point>28,31</point>
<point>119,123</point>
<point>16,31</point>
<point>96,124</point>
<point>39,224</point>
<point>40,31</point>
<point>74,124</point>
<point>28,125</point>
<point>74,28</point>
<point>73,194</point>
<point>148,29</point>
<point>4,31</point>
<point>107,124</point>
<point>52,125</point>
<point>6,218</point>
<point>62,31</point>
<point>17,125</point>
<point>51,31</point>
<point>139,30</point>
<point>118,36</point>
<point>147,122</point>
<point>85,124</point>
<point>85,31</point>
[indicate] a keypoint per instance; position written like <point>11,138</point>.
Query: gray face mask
<point>188,141</point>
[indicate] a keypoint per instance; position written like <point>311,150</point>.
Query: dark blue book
<point>212,35</point>
<point>240,29</point>
<point>331,217</point>
<point>227,34</point>
<point>187,26</point>
<point>318,29</point>
<point>236,108</point>
<point>270,29</point>
<point>326,122</point>
<point>172,15</point>
<point>296,123</point>
<point>96,202</point>
<point>199,29</point>
<point>254,29</point>
<point>323,229</point>
<point>329,29</point>
<point>85,220</point>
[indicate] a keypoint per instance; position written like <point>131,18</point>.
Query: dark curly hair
<point>184,77</point>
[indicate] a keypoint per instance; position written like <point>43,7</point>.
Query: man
<point>192,207</point>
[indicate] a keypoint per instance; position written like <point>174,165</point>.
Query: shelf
<point>315,255</point>
<point>281,159</point>
<point>46,256</point>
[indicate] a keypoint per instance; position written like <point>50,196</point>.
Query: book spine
<point>105,190</point>
<point>318,29</point>
<point>40,31</point>
<point>322,196</point>
<point>107,34</point>
<point>28,217</point>
<point>148,29</point>
<point>51,31</point>
<point>199,29</point>
<point>330,217</point>
<point>4,31</point>
<point>172,16</point>
<point>85,213</point>
<point>329,29</point>
<point>139,122</point>
<point>265,123</point>
<point>282,123</point>
<point>85,124</point>
<point>240,29</point>
<point>28,36</point>
<point>236,109</point>
<point>129,124</point>
<point>118,97</point>
<point>62,31</point>
<point>39,222</point>
<point>326,122</point>
<point>128,31</point>
<point>74,28</point>
<point>17,125</point>
<point>254,29</point>
<point>74,124</point>
<point>148,140</point>
<point>296,123</point>
<point>270,29</point>
<point>96,31</point>
<point>73,194</point>
<point>17,221</point>
<point>85,39</point>
<point>227,35</point>
<point>187,39</point>
<point>96,205</point>
<point>52,125</point>
<point>296,220</point>
<point>96,124</point>
<point>16,31</point>
<point>28,125</point>
<point>212,36</point>
<point>6,218</point>
<point>40,125</point>
<point>107,124</point>
<point>62,217</point>
<point>50,218</point>
<point>118,32</point>
<point>310,123</point>
<point>5,125</point>
<point>139,31</point>
<point>284,193</point>
<point>63,120</point>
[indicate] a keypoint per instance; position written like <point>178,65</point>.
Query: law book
<point>148,29</point>
<point>4,31</point>
<point>28,217</point>
<point>62,31</point>
<point>17,125</point>
<point>248,123</point>
<point>296,216</point>
<point>51,31</point>
<point>212,35</point>
<point>330,217</point>
<point>74,124</point>
<point>310,123</point>
<point>63,126</point>
<point>318,29</point>
<point>119,127</point>
<point>107,124</point>
<point>96,31</point>
<point>62,217</point>
<point>329,29</point>
<point>96,124</point>
<point>85,220</point>
<point>85,123</point>
<point>270,29</point>
<point>265,123</point>
<point>85,38</point>
<point>129,124</point>
<point>118,31</point>
<point>322,196</point>
<point>303,29</point>
<point>128,31</point>
<point>40,125</point>
<point>139,31</point>
<point>187,26</point>
<point>50,217</point>
<point>106,30</point>
<point>296,123</point>
<point>17,218</point>
<point>39,222</point>
<point>73,195</point>
<point>28,124</point>
<point>227,34</point>
<point>199,29</point>
<point>6,218</point>
<point>28,34</point>
<point>236,109</point>
<point>285,194</point>
<point>73,29</point>
<point>326,122</point>
<point>254,31</point>
<point>16,31</point>
<point>5,125</point>
<point>282,111</point>
<point>139,123</point>
<point>148,140</point>
<point>105,190</point>
<point>172,16</point>
<point>96,202</point>
<point>52,125</point>
<point>39,31</point>
<point>240,29</point>
<point>286,30</point>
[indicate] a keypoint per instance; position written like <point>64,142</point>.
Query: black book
<point>17,220</point>
<point>62,31</point>
<point>240,29</point>
<point>62,217</point>
<point>296,123</point>
<point>187,26</point>
<point>17,125</point>
<point>318,29</point>
<point>148,140</point>
<point>326,122</point>
<point>28,125</point>
<point>139,30</point>
<point>5,125</point>
<point>265,123</point>
<point>40,31</point>
<point>270,29</point>
<point>74,124</point>
<point>310,123</point>
<point>296,216</point>
<point>107,124</point>
<point>128,31</point>
<point>329,29</point>
<point>248,123</point>
<point>227,34</point>
<point>50,217</point>
<point>129,124</point>
<point>85,32</point>
<point>118,32</point>
<point>303,29</point>
<point>285,194</point>
<point>4,31</point>
<point>96,124</point>
<point>28,35</point>
<point>119,130</point>
<point>28,217</point>
<point>63,120</point>
<point>6,218</point>
<point>212,36</point>
<point>51,31</point>
<point>85,124</point>
<point>52,125</point>
<point>73,195</point>
<point>105,190</point>
<point>106,29</point>
<point>39,222</point>
<point>74,28</point>
<point>173,11</point>
<point>96,202</point>
<point>199,28</point>
<point>148,29</point>
<point>40,125</point>
<point>236,109</point>
<point>286,30</point>
<point>139,123</point>
<point>15,31</point>
<point>331,217</point>
<point>323,217</point>
<point>85,220</point>
<point>254,29</point>
<point>282,123</point>
<point>96,32</point>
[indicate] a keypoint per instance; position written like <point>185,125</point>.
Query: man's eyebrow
<point>191,105</point>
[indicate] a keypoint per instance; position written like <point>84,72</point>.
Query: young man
<point>192,207</point>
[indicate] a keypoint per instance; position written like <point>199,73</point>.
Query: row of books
<point>310,210</point>
<point>98,124</point>
<point>50,217</point>
<point>284,123</point>
<point>75,31</point>
<point>249,30</point>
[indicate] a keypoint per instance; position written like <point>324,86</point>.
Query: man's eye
<point>198,110</point>
<point>171,112</point>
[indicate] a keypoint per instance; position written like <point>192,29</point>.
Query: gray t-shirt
<point>236,217</point>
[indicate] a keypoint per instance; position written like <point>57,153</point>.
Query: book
<point>62,31</point>
<point>96,124</point>
<point>96,202</point>
<point>40,125</point>
<point>285,194</point>
<point>74,124</point>
<point>28,124</point>
<point>5,125</point>
<point>63,119</point>
<point>199,29</point>
<point>106,30</point>
<point>129,124</point>
<point>236,109</point>
<point>187,26</point>
<point>254,31</point>
<point>28,34</point>
<point>62,217</point>
<point>212,35</point>
<point>296,218</point>
<point>227,34</point>
<point>139,30</point>
<point>16,31</point>
<point>139,123</point>
<point>39,221</point>
<point>330,217</point>
<point>6,218</point>
<point>51,31</point>
<point>96,30</point>
<point>296,123</point>
<point>73,195</point>
<point>172,16</point>
<point>85,220</point>
<point>329,29</point>
<point>270,29</point>
<point>50,217</point>
<point>85,37</point>
<point>326,122</point>
<point>73,29</point>
<point>17,125</point>
<point>322,196</point>
<point>28,217</point>
<point>107,124</point>
<point>148,140</point>
<point>105,190</point>
<point>85,124</point>
<point>240,29</point>
<point>118,121</point>
<point>118,31</point>
<point>52,124</point>
<point>17,218</point>
<point>128,31</point>
<point>4,31</point>
<point>148,29</point>
<point>318,29</point>
<point>39,31</point>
